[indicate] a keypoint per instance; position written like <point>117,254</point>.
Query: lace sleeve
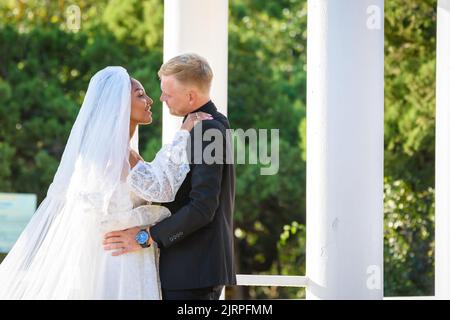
<point>147,215</point>
<point>159,180</point>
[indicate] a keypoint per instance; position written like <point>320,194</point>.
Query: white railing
<point>268,281</point>
<point>411,298</point>
<point>278,281</point>
<point>294,281</point>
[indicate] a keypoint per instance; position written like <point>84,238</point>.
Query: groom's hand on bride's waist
<point>122,242</point>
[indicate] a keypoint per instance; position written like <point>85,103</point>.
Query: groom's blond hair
<point>189,68</point>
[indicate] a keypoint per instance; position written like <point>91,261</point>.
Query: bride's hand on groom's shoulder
<point>193,118</point>
<point>134,158</point>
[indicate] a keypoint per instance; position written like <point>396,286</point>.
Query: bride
<point>60,255</point>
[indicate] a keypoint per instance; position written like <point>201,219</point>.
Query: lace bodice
<point>159,180</point>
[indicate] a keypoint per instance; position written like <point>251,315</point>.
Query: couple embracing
<point>114,226</point>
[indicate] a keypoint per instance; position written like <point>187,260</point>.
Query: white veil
<point>55,256</point>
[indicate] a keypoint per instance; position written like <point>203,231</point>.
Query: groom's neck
<point>200,103</point>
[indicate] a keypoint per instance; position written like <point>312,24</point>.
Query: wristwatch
<point>142,238</point>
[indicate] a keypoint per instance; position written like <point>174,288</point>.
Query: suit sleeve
<point>203,202</point>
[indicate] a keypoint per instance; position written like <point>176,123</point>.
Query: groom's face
<point>175,95</point>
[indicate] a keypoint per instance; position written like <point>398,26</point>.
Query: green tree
<point>43,80</point>
<point>267,90</point>
<point>409,240</point>
<point>410,42</point>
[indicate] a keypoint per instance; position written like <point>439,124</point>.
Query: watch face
<point>142,237</point>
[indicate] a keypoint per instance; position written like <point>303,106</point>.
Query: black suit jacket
<point>196,242</point>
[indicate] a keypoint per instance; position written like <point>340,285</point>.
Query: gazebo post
<point>345,101</point>
<point>199,26</point>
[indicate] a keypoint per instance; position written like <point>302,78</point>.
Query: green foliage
<point>291,260</point>
<point>43,79</point>
<point>267,89</point>
<point>409,240</point>
<point>410,43</point>
<point>6,157</point>
<point>136,21</point>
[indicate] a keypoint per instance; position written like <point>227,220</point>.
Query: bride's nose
<point>150,101</point>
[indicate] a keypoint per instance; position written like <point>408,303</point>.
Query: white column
<point>199,26</point>
<point>442,222</point>
<point>345,77</point>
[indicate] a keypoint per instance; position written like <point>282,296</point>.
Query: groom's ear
<point>192,97</point>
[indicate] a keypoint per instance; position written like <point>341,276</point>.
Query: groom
<point>196,242</point>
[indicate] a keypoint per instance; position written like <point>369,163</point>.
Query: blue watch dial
<point>142,237</point>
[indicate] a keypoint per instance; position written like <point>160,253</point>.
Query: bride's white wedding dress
<point>136,275</point>
<point>60,254</point>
